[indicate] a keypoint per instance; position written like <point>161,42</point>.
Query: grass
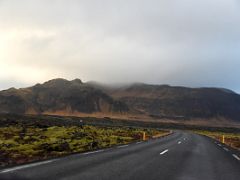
<point>231,139</point>
<point>21,144</point>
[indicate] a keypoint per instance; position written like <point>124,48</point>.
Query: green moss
<point>31,143</point>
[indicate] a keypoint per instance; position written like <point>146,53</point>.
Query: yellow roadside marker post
<point>223,139</point>
<point>144,136</point>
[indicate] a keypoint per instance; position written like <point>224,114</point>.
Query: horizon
<point>185,43</point>
<point>118,84</point>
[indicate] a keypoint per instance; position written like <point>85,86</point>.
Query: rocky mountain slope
<point>58,96</point>
<point>63,97</point>
<point>164,101</point>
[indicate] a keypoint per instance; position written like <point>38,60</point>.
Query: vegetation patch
<point>21,144</point>
<point>231,139</point>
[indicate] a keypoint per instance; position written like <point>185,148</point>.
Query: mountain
<point>164,101</point>
<point>136,101</point>
<point>59,96</point>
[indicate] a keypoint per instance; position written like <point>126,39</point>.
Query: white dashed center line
<point>226,149</point>
<point>139,142</point>
<point>164,152</point>
<point>179,142</point>
<point>238,158</point>
<point>26,166</point>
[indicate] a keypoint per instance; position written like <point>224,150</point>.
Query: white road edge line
<point>226,149</point>
<point>219,145</point>
<point>123,146</point>
<point>234,155</point>
<point>92,152</point>
<point>164,152</point>
<point>179,142</point>
<point>26,166</point>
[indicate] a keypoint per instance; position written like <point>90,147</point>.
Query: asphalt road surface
<point>180,156</point>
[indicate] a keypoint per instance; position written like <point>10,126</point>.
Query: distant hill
<point>164,101</point>
<point>141,101</point>
<point>59,96</point>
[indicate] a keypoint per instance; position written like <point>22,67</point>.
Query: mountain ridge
<point>139,100</point>
<point>57,95</point>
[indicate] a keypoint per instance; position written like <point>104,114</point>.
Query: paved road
<point>180,156</point>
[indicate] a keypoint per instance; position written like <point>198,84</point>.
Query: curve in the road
<point>180,156</point>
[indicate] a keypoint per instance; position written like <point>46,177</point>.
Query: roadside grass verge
<point>21,144</point>
<point>231,139</point>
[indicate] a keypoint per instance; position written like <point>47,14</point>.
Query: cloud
<point>192,43</point>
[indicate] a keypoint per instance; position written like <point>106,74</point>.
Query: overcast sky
<point>178,42</point>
